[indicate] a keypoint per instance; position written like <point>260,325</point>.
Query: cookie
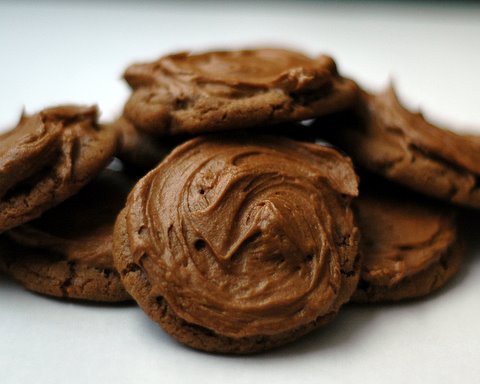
<point>213,91</point>
<point>410,246</point>
<point>140,151</point>
<point>240,243</point>
<point>48,157</point>
<point>402,146</point>
<point>67,252</point>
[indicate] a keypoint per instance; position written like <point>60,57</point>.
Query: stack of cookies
<point>248,229</point>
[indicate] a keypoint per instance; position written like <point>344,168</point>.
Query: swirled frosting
<point>234,71</point>
<point>246,236</point>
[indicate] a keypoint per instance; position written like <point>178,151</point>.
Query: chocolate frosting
<point>36,141</point>
<point>385,138</point>
<point>170,92</point>
<point>244,236</point>
<point>234,73</point>
<point>48,157</point>
<point>411,129</point>
<point>80,229</point>
<point>401,235</point>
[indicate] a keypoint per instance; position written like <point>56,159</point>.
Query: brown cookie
<point>48,157</point>
<point>141,151</point>
<point>67,252</point>
<point>387,139</point>
<point>240,243</point>
<point>409,245</point>
<point>213,91</point>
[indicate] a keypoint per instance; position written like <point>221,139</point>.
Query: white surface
<point>56,53</point>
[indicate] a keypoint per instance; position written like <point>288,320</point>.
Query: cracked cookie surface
<point>223,90</point>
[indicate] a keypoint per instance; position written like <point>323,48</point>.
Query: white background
<point>76,52</point>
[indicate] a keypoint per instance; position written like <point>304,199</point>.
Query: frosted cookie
<point>140,151</point>
<point>68,251</point>
<point>240,243</point>
<point>389,140</point>
<point>48,157</point>
<point>410,246</point>
<point>223,90</point>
